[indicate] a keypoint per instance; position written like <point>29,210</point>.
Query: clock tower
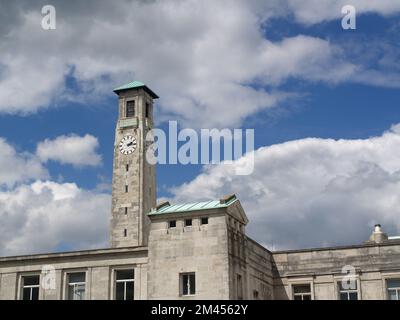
<point>134,180</point>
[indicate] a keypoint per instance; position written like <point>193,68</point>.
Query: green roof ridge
<point>135,85</point>
<point>130,85</point>
<point>192,206</point>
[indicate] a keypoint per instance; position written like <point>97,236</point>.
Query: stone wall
<point>322,269</point>
<point>99,266</point>
<point>201,249</point>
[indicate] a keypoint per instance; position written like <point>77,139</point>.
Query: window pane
<point>35,293</point>
<point>192,284</point>
<point>125,274</point>
<point>79,292</point>
<point>185,284</point>
<point>130,109</point>
<point>353,296</point>
<point>297,298</point>
<point>306,297</point>
<point>344,296</point>
<point>31,280</point>
<point>204,220</point>
<point>119,294</point>
<point>172,224</point>
<point>393,283</point>
<point>303,288</point>
<point>239,287</point>
<point>392,295</point>
<point>188,222</point>
<point>76,277</point>
<point>255,294</point>
<point>348,285</point>
<point>26,294</point>
<point>130,286</point>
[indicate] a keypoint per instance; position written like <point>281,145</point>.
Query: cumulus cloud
<point>18,167</point>
<point>72,149</point>
<point>40,215</point>
<point>314,11</point>
<point>202,57</point>
<point>312,192</point>
<point>45,215</point>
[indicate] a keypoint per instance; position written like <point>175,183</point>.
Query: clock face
<point>127,145</point>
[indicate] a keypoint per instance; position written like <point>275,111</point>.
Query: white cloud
<point>200,56</point>
<point>18,167</point>
<point>45,215</point>
<point>42,215</point>
<point>313,192</point>
<point>72,149</point>
<point>315,11</point>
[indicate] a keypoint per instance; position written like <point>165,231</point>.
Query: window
<point>130,109</point>
<point>188,284</point>
<point>239,287</point>
<point>124,284</point>
<point>393,289</point>
<point>76,286</point>
<point>255,295</point>
<point>204,220</point>
<point>147,110</point>
<point>301,292</point>
<point>126,188</point>
<point>126,210</point>
<point>125,233</point>
<point>30,287</point>
<point>127,167</point>
<point>172,224</point>
<point>188,222</point>
<point>349,293</point>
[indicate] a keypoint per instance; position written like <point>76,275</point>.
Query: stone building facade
<point>194,250</point>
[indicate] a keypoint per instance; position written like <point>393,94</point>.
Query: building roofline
<point>363,245</point>
<point>182,208</point>
<point>80,253</point>
<point>136,85</point>
<point>258,244</point>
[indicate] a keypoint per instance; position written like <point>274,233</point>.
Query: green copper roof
<point>194,206</point>
<point>135,85</point>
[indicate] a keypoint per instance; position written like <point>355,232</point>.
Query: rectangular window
<point>393,289</point>
<point>188,222</point>
<point>255,295</point>
<point>125,233</point>
<point>126,210</point>
<point>239,287</point>
<point>147,110</point>
<point>188,284</point>
<point>348,293</point>
<point>127,167</point>
<point>172,224</point>
<point>301,292</point>
<point>76,286</point>
<point>130,109</point>
<point>126,189</point>
<point>30,287</point>
<point>204,220</point>
<point>124,284</point>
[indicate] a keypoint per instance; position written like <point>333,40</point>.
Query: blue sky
<point>72,94</point>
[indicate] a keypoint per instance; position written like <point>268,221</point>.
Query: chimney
<point>378,236</point>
